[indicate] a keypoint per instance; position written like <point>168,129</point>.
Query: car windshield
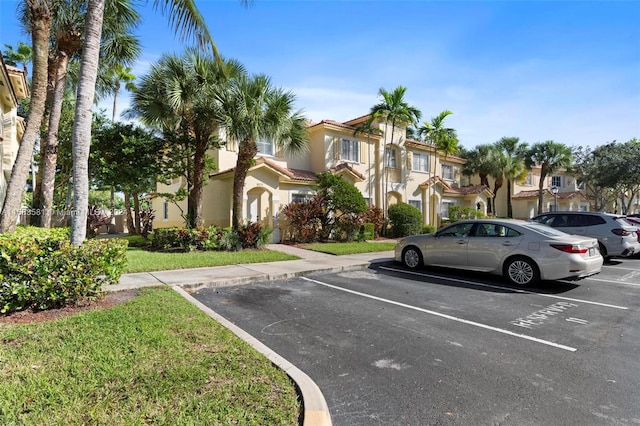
<point>543,229</point>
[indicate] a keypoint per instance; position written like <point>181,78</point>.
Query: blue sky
<point>562,70</point>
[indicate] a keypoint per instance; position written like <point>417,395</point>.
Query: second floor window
<point>556,181</point>
<point>265,146</point>
<point>390,157</point>
<point>447,171</point>
<point>350,150</point>
<point>421,162</point>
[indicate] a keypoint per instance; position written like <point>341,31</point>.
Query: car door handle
<point>507,243</point>
<point>462,241</point>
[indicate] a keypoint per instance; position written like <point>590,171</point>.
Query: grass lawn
<point>139,260</point>
<point>350,248</point>
<point>156,359</point>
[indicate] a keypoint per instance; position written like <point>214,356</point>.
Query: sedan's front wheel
<point>522,271</point>
<point>411,257</point>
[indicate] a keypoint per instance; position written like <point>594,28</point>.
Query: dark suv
<point>616,236</point>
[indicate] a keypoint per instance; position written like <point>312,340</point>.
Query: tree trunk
<point>81,141</point>
<point>540,189</point>
<point>194,203</point>
<point>484,180</point>
<point>51,144</point>
<point>131,227</point>
<point>509,205</point>
<point>496,186</point>
<point>136,210</point>
<point>247,150</point>
<point>41,24</point>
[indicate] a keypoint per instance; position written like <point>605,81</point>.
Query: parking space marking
<point>578,320</point>
<point>515,290</point>
<point>619,267</point>
<point>449,317</point>
<point>615,282</point>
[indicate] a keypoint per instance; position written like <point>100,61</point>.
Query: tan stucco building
<point>13,86</point>
<point>411,172</point>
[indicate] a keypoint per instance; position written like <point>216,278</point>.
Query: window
<point>265,146</point>
<point>444,209</point>
<point>447,171</point>
<point>556,181</point>
<point>390,157</point>
<point>421,162</point>
<point>350,150</point>
<point>416,203</point>
<point>300,197</point>
<point>457,230</point>
<point>165,211</point>
<point>529,179</point>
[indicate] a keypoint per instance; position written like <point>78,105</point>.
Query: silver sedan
<point>523,252</point>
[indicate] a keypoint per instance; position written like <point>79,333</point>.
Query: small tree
<point>405,220</point>
<point>343,206</point>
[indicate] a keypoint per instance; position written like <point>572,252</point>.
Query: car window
<point>494,230</point>
<point>456,230</point>
<point>543,229</point>
<point>592,220</point>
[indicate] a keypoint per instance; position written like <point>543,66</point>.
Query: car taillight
<point>568,248</point>
<point>621,232</point>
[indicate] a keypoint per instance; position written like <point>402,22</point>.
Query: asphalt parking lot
<point>394,347</point>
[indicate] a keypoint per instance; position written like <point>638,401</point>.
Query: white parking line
<point>613,282</point>
<point>515,290</point>
<point>450,317</point>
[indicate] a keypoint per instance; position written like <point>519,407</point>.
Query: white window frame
<point>556,181</point>
<point>263,143</point>
<point>350,150</point>
<point>448,167</point>
<point>422,160</point>
<point>390,157</point>
<point>165,211</point>
<point>444,208</point>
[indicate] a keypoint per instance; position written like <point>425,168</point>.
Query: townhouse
<point>13,87</point>
<point>385,166</point>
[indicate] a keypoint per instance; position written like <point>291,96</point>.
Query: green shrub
<point>368,231</point>
<point>40,269</point>
<point>230,240</point>
<point>374,215</point>
<point>428,229</point>
<point>458,213</point>
<point>405,220</point>
<point>254,235</point>
<point>185,239</point>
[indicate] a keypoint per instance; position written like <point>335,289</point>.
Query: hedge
<point>40,269</point>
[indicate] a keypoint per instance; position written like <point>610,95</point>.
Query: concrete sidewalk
<point>197,278</point>
<point>316,411</point>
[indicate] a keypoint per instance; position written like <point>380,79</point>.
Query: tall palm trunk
<point>194,204</point>
<point>40,12</point>
<point>509,204</point>
<point>246,152</point>
<point>81,141</point>
<point>136,210</point>
<point>51,146</point>
<point>540,189</point>
<point>496,186</point>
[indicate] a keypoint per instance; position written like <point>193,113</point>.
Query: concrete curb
<point>316,411</point>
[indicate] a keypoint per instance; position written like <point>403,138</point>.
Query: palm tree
<point>178,97</point>
<point>395,110</point>
<point>253,109</point>
<point>68,25</point>
<point>480,162</point>
<point>512,164</point>
<point>23,55</point>
<point>39,13</point>
<point>443,138</point>
<point>187,20</point>
<point>550,156</point>
<point>116,76</point>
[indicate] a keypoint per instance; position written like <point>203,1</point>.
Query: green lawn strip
<point>139,260</point>
<point>350,248</point>
<point>154,360</point>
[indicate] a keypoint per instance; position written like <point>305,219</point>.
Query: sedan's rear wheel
<point>522,271</point>
<point>411,257</point>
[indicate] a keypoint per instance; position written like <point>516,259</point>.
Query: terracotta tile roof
<point>293,174</point>
<point>346,166</point>
<point>348,122</point>
<point>465,190</point>
<point>332,123</point>
<point>561,195</point>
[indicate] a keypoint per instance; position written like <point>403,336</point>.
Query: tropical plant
<point>38,15</point>
<point>178,98</point>
<point>550,156</point>
<point>480,162</point>
<point>443,139</point>
<point>251,109</point>
<point>512,154</point>
<point>23,55</point>
<point>392,110</point>
<point>114,77</point>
